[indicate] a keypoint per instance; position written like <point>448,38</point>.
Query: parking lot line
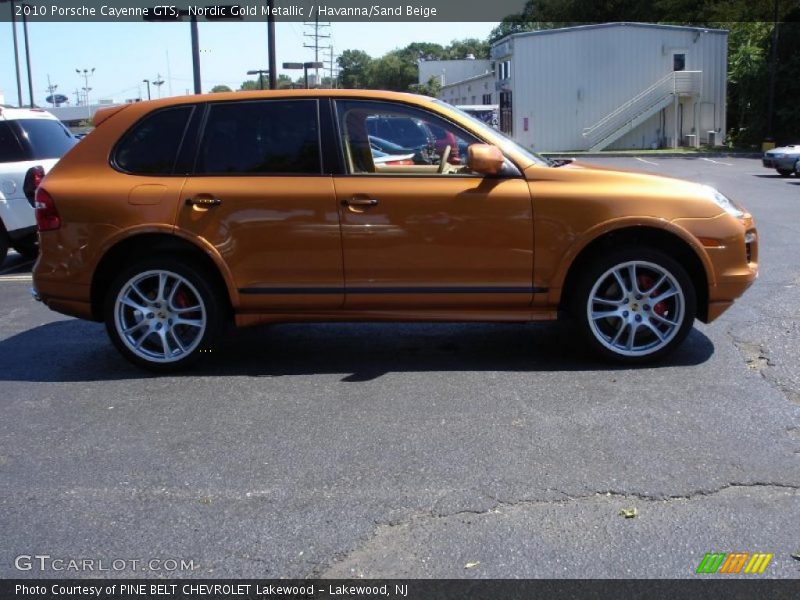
<point>649,162</point>
<point>22,277</point>
<point>716,162</point>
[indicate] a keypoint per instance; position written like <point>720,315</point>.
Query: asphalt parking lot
<point>386,450</point>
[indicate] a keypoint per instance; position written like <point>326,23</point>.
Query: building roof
<point>469,79</point>
<point>605,25</point>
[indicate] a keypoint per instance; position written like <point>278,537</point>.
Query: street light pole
<point>305,66</point>
<point>195,55</point>
<point>260,73</point>
<point>273,68</point>
<point>86,73</point>
<point>27,55</point>
<point>16,50</point>
<point>147,81</point>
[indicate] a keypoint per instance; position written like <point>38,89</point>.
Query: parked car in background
<point>179,215</point>
<point>31,142</point>
<point>783,159</point>
<point>488,113</point>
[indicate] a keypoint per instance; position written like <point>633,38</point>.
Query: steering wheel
<point>445,156</point>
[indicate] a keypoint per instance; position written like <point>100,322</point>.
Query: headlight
<point>724,202</point>
<point>777,155</point>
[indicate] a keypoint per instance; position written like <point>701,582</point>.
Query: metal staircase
<point>641,107</point>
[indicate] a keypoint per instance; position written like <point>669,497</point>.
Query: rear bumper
<point>66,298</point>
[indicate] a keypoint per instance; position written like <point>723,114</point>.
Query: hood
<point>790,149</point>
<point>658,195</point>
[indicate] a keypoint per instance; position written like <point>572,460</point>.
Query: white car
<point>31,142</point>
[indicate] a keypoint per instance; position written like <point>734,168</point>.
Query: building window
<point>505,70</point>
<point>487,99</point>
<point>678,62</point>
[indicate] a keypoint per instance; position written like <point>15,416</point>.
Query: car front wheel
<point>163,314</point>
<point>635,305</point>
<point>784,172</point>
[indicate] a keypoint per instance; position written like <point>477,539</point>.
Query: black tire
<point>784,172</point>
<point>4,241</point>
<point>28,246</point>
<point>207,294</point>
<point>598,272</point>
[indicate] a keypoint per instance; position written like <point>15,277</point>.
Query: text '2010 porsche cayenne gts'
<point>176,216</point>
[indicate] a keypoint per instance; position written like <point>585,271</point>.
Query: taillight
<point>33,179</point>
<point>47,217</point>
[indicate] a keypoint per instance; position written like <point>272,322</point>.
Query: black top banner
<point>260,10</point>
<point>392,10</point>
<point>412,589</point>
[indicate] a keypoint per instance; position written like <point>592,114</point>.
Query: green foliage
<point>249,85</point>
<point>353,67</point>
<point>431,88</point>
<point>220,88</point>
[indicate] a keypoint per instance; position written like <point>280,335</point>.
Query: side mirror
<point>485,158</point>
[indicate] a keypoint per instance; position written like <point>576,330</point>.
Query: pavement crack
<point>757,359</point>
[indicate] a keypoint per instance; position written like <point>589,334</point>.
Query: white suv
<point>31,142</point>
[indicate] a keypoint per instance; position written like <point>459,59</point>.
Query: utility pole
<point>315,27</point>
<point>147,81</point>
<point>51,90</point>
<point>77,93</point>
<point>158,83</point>
<point>333,71</point>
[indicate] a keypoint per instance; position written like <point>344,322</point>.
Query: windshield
<point>492,132</point>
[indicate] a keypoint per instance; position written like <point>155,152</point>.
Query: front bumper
<point>786,163</point>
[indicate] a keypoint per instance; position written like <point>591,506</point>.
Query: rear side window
<point>46,138</point>
<point>261,137</point>
<point>151,147</point>
<point>10,149</point>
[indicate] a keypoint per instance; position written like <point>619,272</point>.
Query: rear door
<point>259,195</point>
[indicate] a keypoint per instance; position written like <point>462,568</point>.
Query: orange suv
<point>176,216</point>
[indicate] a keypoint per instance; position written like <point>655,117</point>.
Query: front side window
<point>261,137</point>
<point>151,147</point>
<point>386,138</point>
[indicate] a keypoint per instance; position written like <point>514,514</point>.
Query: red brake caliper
<point>645,283</point>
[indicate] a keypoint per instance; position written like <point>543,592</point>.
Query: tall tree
<point>353,68</point>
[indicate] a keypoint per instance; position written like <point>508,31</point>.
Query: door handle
<point>359,202</point>
<point>203,201</point>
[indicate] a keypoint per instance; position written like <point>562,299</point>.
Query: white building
<point>612,85</point>
<point>479,89</point>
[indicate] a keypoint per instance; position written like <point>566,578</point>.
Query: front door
<point>419,229</point>
<point>259,196</point>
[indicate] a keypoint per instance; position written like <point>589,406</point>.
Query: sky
<point>124,54</point>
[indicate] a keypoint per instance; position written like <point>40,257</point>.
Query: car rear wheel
<point>635,305</point>
<point>784,172</point>
<point>27,246</point>
<point>163,314</point>
<point>3,244</point>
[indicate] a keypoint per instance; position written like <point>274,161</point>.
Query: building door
<point>506,114</point>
